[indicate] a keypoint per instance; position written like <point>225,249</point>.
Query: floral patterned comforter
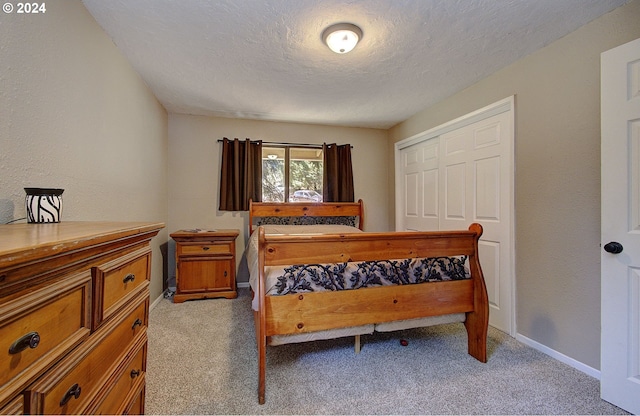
<point>356,275</point>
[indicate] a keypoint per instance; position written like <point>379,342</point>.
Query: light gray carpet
<point>202,360</point>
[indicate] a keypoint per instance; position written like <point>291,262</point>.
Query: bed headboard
<point>351,213</point>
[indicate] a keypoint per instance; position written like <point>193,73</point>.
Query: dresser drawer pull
<point>73,392</point>
<point>134,373</point>
<point>129,278</point>
<point>136,323</point>
<point>205,248</point>
<point>30,340</point>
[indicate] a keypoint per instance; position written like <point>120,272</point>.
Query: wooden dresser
<point>74,307</point>
<point>205,264</point>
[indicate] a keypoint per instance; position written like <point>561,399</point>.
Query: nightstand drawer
<point>38,328</point>
<point>74,383</point>
<point>119,280</point>
<point>204,249</point>
<point>205,276</point>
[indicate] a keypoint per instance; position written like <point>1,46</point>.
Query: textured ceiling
<point>264,59</point>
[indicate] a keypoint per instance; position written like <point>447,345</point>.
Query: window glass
<point>292,174</point>
<point>273,174</point>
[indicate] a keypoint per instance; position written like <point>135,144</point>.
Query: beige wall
<point>194,168</point>
<point>74,115</point>
<point>557,179</point>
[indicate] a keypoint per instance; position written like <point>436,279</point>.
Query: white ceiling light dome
<point>342,37</point>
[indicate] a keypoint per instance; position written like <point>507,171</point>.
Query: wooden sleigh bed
<point>294,312</point>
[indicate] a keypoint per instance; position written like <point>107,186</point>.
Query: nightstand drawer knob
<point>129,278</point>
<point>134,373</point>
<point>205,248</point>
<point>73,392</point>
<point>30,340</point>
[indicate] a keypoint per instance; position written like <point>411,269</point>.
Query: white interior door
<point>464,174</point>
<point>620,273</point>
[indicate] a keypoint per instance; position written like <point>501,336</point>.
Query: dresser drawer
<point>204,248</point>
<point>136,407</point>
<point>118,281</point>
<point>127,385</point>
<point>70,386</point>
<point>38,328</point>
<point>14,407</point>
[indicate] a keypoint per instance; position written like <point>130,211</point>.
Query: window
<point>291,174</point>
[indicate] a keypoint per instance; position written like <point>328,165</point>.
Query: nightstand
<point>205,264</point>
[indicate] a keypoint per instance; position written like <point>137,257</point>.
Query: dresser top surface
<point>19,241</point>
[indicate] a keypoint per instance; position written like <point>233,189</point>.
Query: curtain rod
<point>312,146</point>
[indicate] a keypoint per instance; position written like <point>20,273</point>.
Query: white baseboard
<point>155,302</point>
<point>559,356</point>
<point>162,295</point>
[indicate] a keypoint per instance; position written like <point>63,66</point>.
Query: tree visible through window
<point>291,174</point>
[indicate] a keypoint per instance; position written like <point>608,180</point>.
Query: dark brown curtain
<point>337,173</point>
<point>241,174</point>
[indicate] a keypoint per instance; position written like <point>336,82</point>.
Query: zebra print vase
<point>43,204</point>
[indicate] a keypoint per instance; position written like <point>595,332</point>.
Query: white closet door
<point>420,180</point>
<point>461,176</point>
<point>476,187</point>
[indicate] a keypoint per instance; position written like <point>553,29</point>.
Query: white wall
<point>75,115</point>
<point>557,178</point>
<point>194,168</point>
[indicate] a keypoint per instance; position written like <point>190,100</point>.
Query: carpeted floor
<point>202,360</point>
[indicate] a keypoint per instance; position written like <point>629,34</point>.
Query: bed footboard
<point>308,312</point>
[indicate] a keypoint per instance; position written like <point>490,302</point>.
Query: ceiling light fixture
<point>342,37</point>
